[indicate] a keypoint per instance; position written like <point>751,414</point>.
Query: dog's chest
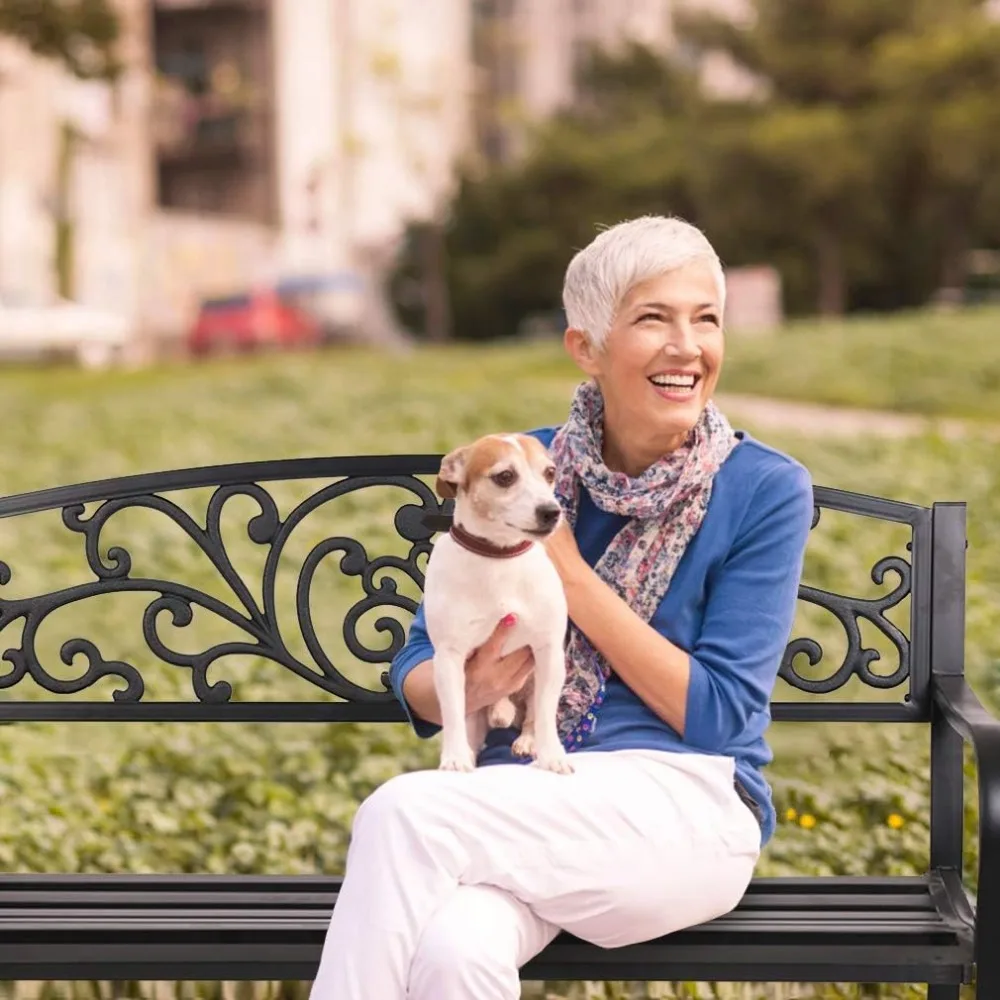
<point>465,595</point>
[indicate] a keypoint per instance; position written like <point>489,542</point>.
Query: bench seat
<point>904,929</point>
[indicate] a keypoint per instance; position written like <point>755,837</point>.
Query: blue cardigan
<point>730,605</point>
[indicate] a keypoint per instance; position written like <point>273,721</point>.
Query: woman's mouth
<point>677,387</point>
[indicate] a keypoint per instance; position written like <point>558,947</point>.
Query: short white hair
<point>618,258</point>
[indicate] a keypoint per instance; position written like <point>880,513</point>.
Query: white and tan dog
<point>492,564</point>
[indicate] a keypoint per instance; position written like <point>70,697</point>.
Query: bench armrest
<point>966,714</point>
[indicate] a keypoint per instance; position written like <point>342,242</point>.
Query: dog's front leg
<point>449,682</point>
<point>550,675</point>
<point>476,727</point>
<point>524,745</point>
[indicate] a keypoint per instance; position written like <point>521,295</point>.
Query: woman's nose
<point>681,341</point>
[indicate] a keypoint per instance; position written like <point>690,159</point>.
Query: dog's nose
<point>547,514</point>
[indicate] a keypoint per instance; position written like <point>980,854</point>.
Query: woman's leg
<point>474,945</point>
<point>633,845</point>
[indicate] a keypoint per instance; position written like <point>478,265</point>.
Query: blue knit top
<point>730,606</point>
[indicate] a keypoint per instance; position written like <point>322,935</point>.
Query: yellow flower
<point>807,822</point>
<point>791,815</point>
<point>895,821</point>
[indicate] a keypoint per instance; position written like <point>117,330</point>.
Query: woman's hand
<point>490,675</point>
<point>565,555</point>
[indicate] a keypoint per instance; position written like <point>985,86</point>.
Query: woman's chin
<point>679,419</point>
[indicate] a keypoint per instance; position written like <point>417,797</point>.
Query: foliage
<point>885,135</point>
<point>862,161</point>
<point>241,798</point>
<point>81,34</point>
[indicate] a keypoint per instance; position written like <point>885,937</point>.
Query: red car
<point>249,322</point>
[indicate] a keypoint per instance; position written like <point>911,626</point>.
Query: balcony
<point>208,129</point>
<point>212,107</point>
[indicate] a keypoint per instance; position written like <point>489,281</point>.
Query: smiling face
<point>658,365</point>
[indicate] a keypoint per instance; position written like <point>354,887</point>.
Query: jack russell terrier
<point>492,564</point>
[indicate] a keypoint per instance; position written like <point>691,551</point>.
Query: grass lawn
<point>938,364</point>
<point>243,798</point>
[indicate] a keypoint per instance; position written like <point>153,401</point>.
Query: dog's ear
<point>452,474</point>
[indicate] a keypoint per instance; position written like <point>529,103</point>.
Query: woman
<point>680,555</point>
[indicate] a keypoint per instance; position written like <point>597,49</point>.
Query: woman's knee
<point>660,901</point>
<point>474,945</point>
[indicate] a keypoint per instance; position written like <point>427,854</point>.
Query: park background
<point>448,156</point>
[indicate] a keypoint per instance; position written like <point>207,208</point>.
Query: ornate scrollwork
<point>850,611</point>
<point>257,622</point>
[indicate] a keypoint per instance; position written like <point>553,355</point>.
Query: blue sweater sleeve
<point>416,649</point>
<point>749,612</point>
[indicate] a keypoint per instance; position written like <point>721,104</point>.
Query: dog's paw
<point>458,761</point>
<point>524,746</point>
<point>557,761</point>
<point>502,714</point>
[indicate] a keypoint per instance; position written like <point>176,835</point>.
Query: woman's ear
<point>451,474</point>
<point>580,349</point>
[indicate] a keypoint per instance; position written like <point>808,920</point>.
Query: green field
<point>934,363</point>
<point>243,798</point>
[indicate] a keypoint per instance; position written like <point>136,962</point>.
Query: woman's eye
<point>505,479</point>
<point>709,318</point>
<point>648,316</point>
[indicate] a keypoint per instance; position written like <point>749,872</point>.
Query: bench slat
<point>267,927</point>
<point>898,904</point>
<point>910,884</point>
<point>890,922</point>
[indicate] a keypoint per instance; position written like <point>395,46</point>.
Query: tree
<point>806,145</point>
<point>512,230</point>
<point>864,166</point>
<point>941,108</point>
<point>512,233</point>
<point>866,104</point>
<point>81,34</point>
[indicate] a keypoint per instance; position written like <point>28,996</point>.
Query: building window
<point>213,108</point>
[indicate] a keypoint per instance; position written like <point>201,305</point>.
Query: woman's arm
<point>708,694</point>
<point>650,664</point>
<point>416,657</point>
<point>656,669</point>
<point>420,695</point>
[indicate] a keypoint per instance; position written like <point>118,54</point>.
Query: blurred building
<point>246,140</point>
<point>528,55</point>
<point>254,139</point>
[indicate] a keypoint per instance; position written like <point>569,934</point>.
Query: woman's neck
<point>626,453</point>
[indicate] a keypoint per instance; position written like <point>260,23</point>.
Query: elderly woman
<point>680,556</point>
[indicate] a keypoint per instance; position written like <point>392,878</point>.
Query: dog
<point>492,563</point>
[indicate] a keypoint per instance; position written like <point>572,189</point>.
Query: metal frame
<point>959,717</point>
<point>414,522</point>
<point>80,913</point>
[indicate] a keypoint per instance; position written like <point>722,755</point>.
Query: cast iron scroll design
<point>261,631</point>
<point>258,622</point>
<point>850,611</point>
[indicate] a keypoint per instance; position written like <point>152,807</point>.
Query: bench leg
<point>939,992</point>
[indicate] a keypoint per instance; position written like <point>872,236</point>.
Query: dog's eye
<point>505,479</point>
<point>550,474</point>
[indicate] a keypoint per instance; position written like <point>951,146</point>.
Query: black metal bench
<point>160,927</point>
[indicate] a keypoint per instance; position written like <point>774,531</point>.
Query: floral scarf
<point>666,504</point>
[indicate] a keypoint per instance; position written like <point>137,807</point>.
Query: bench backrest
<point>280,591</point>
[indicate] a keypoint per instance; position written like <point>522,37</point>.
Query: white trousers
<point>455,880</point>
